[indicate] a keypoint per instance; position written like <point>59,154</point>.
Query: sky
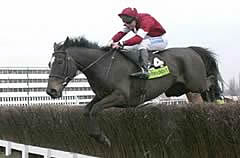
<point>28,28</point>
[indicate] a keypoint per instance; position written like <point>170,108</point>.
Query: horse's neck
<point>85,56</point>
<point>87,59</point>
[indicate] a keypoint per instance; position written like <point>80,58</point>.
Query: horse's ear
<point>55,46</point>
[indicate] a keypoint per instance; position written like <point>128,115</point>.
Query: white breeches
<point>150,43</point>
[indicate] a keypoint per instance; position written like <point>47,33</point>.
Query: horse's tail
<point>210,61</point>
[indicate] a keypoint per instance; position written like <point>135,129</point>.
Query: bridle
<point>67,67</point>
<point>68,59</point>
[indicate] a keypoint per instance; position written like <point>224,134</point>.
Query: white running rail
<point>45,152</point>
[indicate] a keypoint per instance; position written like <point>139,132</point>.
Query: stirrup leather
<point>141,74</point>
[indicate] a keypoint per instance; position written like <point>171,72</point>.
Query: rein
<point>110,65</point>
<point>94,62</point>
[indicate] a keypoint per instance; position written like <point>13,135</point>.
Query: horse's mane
<point>79,42</point>
<point>82,42</point>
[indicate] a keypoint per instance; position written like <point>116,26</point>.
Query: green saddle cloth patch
<point>158,72</point>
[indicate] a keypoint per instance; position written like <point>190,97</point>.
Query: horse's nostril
<point>51,92</point>
<point>54,91</point>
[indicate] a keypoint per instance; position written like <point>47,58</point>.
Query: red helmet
<point>129,12</point>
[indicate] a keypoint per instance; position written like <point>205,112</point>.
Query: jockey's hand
<point>110,43</point>
<point>117,45</point>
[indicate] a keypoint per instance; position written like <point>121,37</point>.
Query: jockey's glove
<point>120,43</point>
<point>109,44</point>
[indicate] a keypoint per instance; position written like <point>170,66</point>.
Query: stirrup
<point>142,74</point>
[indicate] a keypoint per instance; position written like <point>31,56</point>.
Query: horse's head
<point>62,70</point>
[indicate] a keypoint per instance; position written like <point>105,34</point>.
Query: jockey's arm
<point>132,41</point>
<point>118,36</point>
<point>136,39</point>
<point>141,33</point>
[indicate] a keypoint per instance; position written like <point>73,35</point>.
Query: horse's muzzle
<point>53,93</point>
<point>54,88</point>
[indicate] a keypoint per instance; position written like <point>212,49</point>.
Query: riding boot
<point>144,63</point>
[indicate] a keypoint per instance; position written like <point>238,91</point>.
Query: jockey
<point>148,36</point>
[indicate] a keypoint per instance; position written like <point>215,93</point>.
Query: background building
<point>22,86</point>
<point>27,86</point>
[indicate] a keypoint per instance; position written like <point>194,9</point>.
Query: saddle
<point>157,68</point>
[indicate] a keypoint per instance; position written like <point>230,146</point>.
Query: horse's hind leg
<point>194,98</point>
<point>116,98</point>
<point>206,96</point>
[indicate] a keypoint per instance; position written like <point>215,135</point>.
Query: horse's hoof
<point>102,139</point>
<point>106,141</point>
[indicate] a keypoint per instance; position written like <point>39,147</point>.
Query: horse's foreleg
<point>88,107</point>
<point>112,100</point>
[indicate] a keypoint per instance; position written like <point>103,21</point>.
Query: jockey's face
<point>131,25</point>
<point>129,21</point>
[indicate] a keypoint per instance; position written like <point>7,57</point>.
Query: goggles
<point>127,19</point>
